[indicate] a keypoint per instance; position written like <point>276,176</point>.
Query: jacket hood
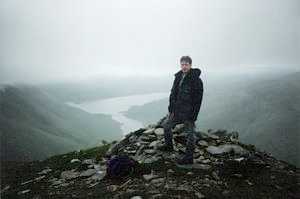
<point>196,72</point>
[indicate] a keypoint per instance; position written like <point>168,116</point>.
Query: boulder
<point>226,148</point>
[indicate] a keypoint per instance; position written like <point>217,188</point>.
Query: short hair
<point>186,59</point>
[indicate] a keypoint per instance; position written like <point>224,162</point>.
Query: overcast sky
<point>57,39</point>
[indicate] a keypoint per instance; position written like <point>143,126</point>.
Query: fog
<point>62,40</point>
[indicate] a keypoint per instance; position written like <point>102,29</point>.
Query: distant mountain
<point>104,87</point>
<point>268,108</point>
<point>34,125</point>
<point>274,117</point>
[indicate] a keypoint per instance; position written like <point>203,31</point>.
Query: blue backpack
<point>120,166</point>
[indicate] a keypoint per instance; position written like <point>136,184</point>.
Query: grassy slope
<point>34,125</point>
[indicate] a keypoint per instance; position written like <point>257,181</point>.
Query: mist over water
<point>117,105</point>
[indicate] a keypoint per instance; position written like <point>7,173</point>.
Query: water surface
<point>116,105</point>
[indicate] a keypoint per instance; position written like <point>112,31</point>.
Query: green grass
<point>63,161</point>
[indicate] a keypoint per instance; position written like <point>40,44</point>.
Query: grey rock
<point>238,175</point>
<point>140,150</point>
<point>23,192</point>
<point>56,182</point>
<point>39,178</point>
<point>88,173</point>
<point>157,182</point>
<point>249,183</point>
<point>201,157</point>
<point>5,189</point>
<point>88,161</point>
<point>157,196</point>
<point>28,181</point>
<point>159,131</point>
<point>149,131</point>
<point>45,171</point>
<point>102,168</point>
<point>170,186</point>
<point>195,166</point>
<point>154,143</point>
<point>75,160</point>
<point>99,175</point>
<point>147,138</point>
<point>70,174</point>
<point>206,161</point>
<point>93,184</point>
<point>149,151</point>
<point>226,148</point>
<point>152,159</point>
<point>199,195</point>
<point>204,135</point>
<point>168,156</point>
<point>136,197</point>
<point>239,159</point>
<point>130,151</point>
<point>183,188</point>
<point>215,175</point>
<point>213,136</point>
<point>178,128</point>
<point>149,177</point>
<point>203,143</point>
<point>201,152</point>
<point>112,188</point>
<point>91,166</point>
<point>132,138</point>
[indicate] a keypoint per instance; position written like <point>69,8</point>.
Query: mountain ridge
<point>223,168</point>
<point>34,125</point>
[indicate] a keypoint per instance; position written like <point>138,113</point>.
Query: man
<point>184,105</point>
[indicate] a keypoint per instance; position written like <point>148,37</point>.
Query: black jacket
<point>185,100</point>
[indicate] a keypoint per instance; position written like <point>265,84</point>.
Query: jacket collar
<point>195,72</point>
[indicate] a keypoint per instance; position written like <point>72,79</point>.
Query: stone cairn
<point>141,145</point>
<point>221,162</point>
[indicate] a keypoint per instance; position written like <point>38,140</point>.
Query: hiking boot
<point>187,159</point>
<point>165,147</point>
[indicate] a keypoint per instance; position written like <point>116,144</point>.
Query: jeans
<point>189,128</point>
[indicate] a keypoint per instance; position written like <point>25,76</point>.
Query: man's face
<point>185,66</point>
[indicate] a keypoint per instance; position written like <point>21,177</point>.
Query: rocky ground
<point>223,168</point>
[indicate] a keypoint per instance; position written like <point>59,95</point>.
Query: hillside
<point>102,87</point>
<point>223,167</point>
<point>34,125</point>
<point>268,108</point>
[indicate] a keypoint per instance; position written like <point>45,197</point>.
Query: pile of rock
<point>210,147</point>
<point>219,158</point>
<point>223,168</point>
<point>90,171</point>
